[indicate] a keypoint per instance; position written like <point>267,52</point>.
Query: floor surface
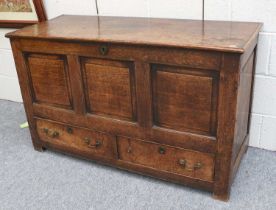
<point>36,181</point>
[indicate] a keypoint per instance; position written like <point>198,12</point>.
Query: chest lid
<point>194,34</point>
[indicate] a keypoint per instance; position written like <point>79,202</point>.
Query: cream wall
<point>263,126</point>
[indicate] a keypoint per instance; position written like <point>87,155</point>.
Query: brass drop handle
<point>104,50</point>
<point>184,164</point>
<point>87,140</point>
<point>198,165</point>
<point>97,144</point>
<point>51,133</point>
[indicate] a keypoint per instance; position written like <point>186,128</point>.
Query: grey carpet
<point>33,180</point>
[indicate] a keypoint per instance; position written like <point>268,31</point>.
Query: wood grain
<point>195,34</point>
<point>110,87</point>
<point>184,99</point>
<point>148,154</point>
<point>49,78</point>
<point>72,137</point>
<point>227,107</point>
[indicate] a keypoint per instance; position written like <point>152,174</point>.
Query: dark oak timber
<point>165,98</point>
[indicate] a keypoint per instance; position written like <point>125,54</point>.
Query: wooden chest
<point>165,98</point>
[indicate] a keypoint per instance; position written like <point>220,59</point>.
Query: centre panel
<point>109,88</point>
<point>185,99</point>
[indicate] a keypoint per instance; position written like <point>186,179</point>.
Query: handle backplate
<point>51,133</point>
<point>88,141</point>
<point>184,164</point>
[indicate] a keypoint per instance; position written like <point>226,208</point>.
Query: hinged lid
<point>208,35</point>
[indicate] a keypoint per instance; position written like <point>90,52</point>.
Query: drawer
<point>166,158</point>
<point>96,143</point>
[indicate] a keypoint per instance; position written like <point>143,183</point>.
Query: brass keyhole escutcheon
<point>69,130</point>
<point>46,130</point>
<point>162,150</point>
<point>97,144</point>
<point>104,50</point>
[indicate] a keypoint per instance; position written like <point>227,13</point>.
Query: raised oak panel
<point>110,88</point>
<point>49,80</point>
<point>184,99</point>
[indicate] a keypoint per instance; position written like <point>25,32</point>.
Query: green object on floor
<point>24,125</point>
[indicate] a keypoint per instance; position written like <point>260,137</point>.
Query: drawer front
<point>96,143</point>
<point>166,158</point>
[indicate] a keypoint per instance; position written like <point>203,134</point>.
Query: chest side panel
<point>243,104</point>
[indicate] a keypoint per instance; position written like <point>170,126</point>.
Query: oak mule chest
<point>164,98</point>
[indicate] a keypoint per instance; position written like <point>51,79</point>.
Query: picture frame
<point>21,13</point>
